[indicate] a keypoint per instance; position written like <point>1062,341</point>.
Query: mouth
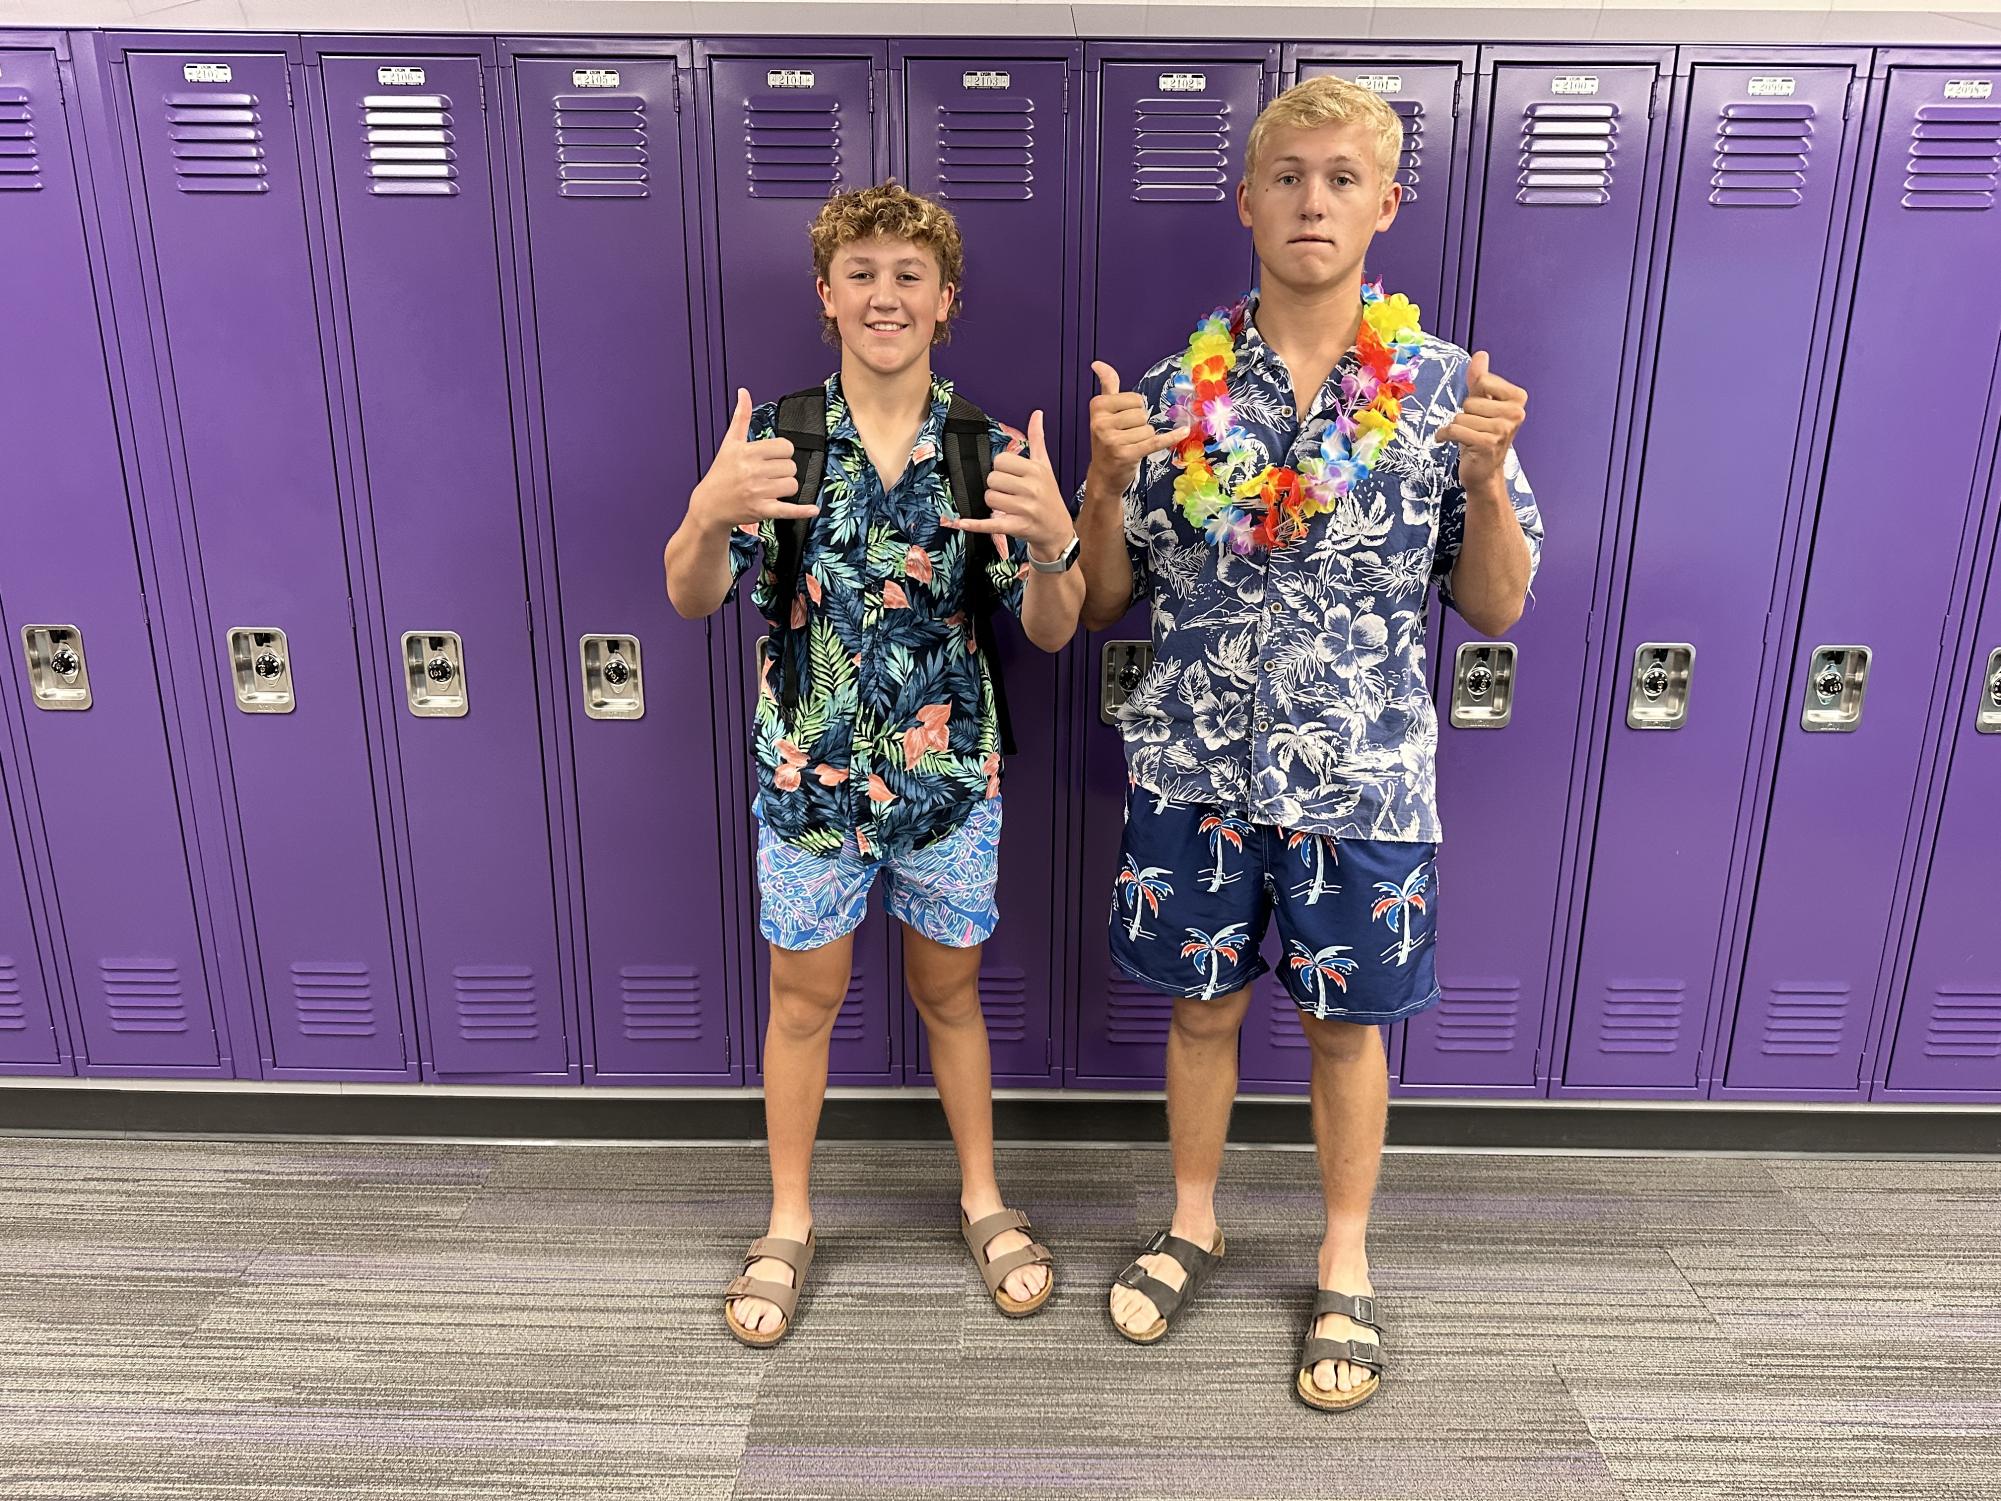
<point>885,327</point>
<point>1311,240</point>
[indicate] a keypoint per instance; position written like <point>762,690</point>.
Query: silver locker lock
<point>434,674</point>
<point>1122,667</point>
<point>260,666</point>
<point>57,672</point>
<point>1988,721</point>
<point>1836,679</point>
<point>1483,685</point>
<point>613,688</point>
<point>1658,698</point>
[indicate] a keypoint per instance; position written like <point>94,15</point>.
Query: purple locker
<point>1411,257</point>
<point>989,135</point>
<point>602,177</point>
<point>414,196</point>
<point>1168,127</point>
<point>1839,825</point>
<point>28,1040</point>
<point>1765,162</point>
<point>789,128</point>
<point>219,162</point>
<point>1568,182</point>
<point>95,732</point>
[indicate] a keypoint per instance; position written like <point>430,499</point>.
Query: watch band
<point>1063,562</point>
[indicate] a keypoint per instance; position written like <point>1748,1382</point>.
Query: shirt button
<point>1269,665</point>
<point>1285,411</point>
<point>1275,606</point>
<point>1264,720</point>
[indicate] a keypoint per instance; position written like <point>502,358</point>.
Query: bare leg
<point>1351,1101</point>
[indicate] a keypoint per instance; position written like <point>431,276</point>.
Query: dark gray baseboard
<point>602,1115</point>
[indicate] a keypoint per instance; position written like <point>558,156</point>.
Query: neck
<point>873,397</point>
<point>1313,327</point>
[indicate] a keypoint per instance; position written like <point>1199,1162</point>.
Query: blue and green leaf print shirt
<point>1289,687</point>
<point>893,739</point>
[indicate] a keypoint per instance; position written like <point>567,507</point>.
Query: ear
<point>824,288</point>
<point>1244,202</point>
<point>1392,200</point>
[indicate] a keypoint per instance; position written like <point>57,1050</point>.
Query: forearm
<point>1104,564</point>
<point>697,561</point>
<point>1050,603</point>
<point>1490,579</point>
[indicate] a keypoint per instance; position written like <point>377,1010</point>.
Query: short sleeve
<point>1452,509</point>
<point>1004,574</point>
<point>748,540</point>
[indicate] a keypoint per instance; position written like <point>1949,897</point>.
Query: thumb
<point>1038,448</point>
<point>739,419</point>
<point>1108,378</point>
<point>1476,371</point>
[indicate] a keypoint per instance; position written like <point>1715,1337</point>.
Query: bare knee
<point>944,1005</point>
<point>1342,1042</point>
<point>1201,1022</point>
<point>805,1013</point>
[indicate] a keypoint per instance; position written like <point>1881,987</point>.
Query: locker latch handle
<point>1662,671</point>
<point>1483,685</point>
<point>58,677</point>
<point>1988,720</point>
<point>1836,681</point>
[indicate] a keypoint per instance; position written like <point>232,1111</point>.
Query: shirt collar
<point>841,424</point>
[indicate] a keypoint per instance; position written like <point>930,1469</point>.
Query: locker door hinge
<point>1848,103</point>
<point>528,611</point>
<point>1066,92</point>
<point>146,609</point>
<point>677,91</point>
<point>1458,92</point>
<point>1765,636</point>
<point>350,613</point>
<point>1538,1075</point>
<point>1654,99</point>
<point>1701,1067</point>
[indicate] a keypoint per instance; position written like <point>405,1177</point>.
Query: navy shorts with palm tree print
<point>1196,889</point>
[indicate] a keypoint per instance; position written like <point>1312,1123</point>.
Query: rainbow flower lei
<point>1245,511</point>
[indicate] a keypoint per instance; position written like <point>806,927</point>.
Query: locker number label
<point>1773,88</point>
<point>789,78</point>
<point>1969,88</point>
<point>1574,83</point>
<point>399,75</point>
<point>986,79</point>
<point>594,78</point>
<point>1380,83</point>
<point>206,72</point>
<point>1184,83</point>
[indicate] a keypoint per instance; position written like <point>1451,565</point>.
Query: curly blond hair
<point>1329,101</point>
<point>888,208</point>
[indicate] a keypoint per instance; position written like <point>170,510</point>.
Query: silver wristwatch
<point>1064,561</point>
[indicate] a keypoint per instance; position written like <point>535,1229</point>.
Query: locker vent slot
<point>852,1023</point>
<point>496,1002</point>
<point>333,999</point>
<point>1282,1019</point>
<point>1955,151</point>
<point>20,168</point>
<point>1004,999</point>
<point>13,1010</point>
<point>218,143</point>
<point>1805,1021</point>
<point>660,1002</point>
<point>143,995</point>
<point>1567,153</point>
<point>1965,1024</point>
<point>986,149</point>
<point>1761,155</point>
<point>1479,1017</point>
<point>793,145</point>
<point>601,146</point>
<point>1134,1015</point>
<point>1642,1016</point>
<point>1410,165</point>
<point>1181,150</point>
<point>409,139</point>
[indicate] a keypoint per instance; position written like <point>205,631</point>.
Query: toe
<point>1323,1376</point>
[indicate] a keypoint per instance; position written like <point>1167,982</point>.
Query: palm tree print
<point>1203,950</point>
<point>1223,831</point>
<point>1398,905</point>
<point>1314,852</point>
<point>1325,964</point>
<point>1141,890</point>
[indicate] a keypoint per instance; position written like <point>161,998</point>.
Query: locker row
<point>353,383</point>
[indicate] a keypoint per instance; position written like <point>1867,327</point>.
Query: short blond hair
<point>1329,101</point>
<point>888,208</point>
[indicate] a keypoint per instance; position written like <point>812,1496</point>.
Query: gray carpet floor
<point>384,1321</point>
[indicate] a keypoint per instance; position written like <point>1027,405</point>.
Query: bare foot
<point>1347,1276</point>
<point>755,1314</point>
<point>1133,1310</point>
<point>1024,1282</point>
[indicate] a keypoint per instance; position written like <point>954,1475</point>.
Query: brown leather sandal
<point>996,1271</point>
<point>1358,1308</point>
<point>1167,1301</point>
<point>796,1254</point>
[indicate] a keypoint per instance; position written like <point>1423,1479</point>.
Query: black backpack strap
<point>969,458</point>
<point>802,421</point>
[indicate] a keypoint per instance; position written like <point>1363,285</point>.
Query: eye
<point>1287,179</point>
<point>1344,179</point>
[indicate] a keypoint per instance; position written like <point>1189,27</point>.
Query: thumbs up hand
<point>1025,499</point>
<point>747,482</point>
<point>1121,433</point>
<point>1485,425</point>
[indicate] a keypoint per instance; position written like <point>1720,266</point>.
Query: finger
<point>775,450</point>
<point>1108,378</point>
<point>740,419</point>
<point>1038,447</point>
<point>1016,465</point>
<point>1481,427</point>
<point>777,510</point>
<point>1006,525</point>
<point>1489,406</point>
<point>1124,411</point>
<point>1501,389</point>
<point>1170,439</point>
<point>1476,371</point>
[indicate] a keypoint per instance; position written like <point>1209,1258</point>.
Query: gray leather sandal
<point>1366,1353</point>
<point>1167,1301</point>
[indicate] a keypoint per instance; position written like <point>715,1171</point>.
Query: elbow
<point>1494,624</point>
<point>1102,615</point>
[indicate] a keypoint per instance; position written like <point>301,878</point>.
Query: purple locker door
<point>225,202</point>
<point>789,129</point>
<point>1558,226</point>
<point>1762,163</point>
<point>1948,1035</point>
<point>28,1042</point>
<point>602,167</point>
<point>1411,258</point>
<point>1171,127</point>
<point>413,190</point>
<point>103,775</point>
<point>987,136</point>
<point>1841,802</point>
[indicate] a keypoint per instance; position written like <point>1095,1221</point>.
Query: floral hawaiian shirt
<point>1289,687</point>
<point>894,736</point>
